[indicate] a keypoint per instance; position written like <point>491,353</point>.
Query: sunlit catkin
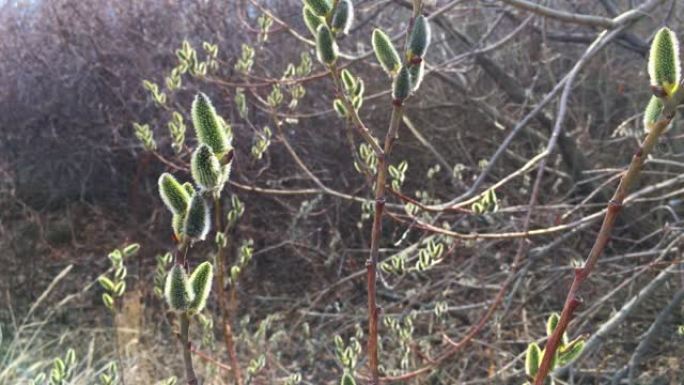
<point>197,220</point>
<point>663,62</point>
<point>205,168</point>
<point>200,281</point>
<point>419,39</point>
<point>385,52</point>
<point>416,73</point>
<point>208,126</point>
<point>311,20</point>
<point>401,87</point>
<point>326,46</point>
<point>652,112</point>
<point>343,16</point>
<point>319,7</point>
<point>532,359</point>
<point>177,290</point>
<point>174,195</point>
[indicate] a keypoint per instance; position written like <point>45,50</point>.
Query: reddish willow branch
<point>226,318</point>
<point>572,300</point>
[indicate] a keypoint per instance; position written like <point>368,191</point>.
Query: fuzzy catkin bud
<point>402,85</point>
<point>420,38</point>
<point>319,7</point>
<point>177,224</point>
<point>551,323</point>
<point>326,46</point>
<point>532,359</point>
<point>663,62</point>
<point>343,16</point>
<point>347,379</point>
<point>200,281</point>
<point>208,126</point>
<point>177,290</point>
<point>416,72</point>
<point>652,112</point>
<point>205,168</point>
<point>189,188</point>
<point>197,222</point>
<point>339,107</point>
<point>348,80</point>
<point>173,193</point>
<point>385,52</point>
<point>311,20</point>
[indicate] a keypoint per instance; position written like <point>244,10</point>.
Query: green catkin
<point>663,62</point>
<point>326,46</point>
<point>348,80</point>
<point>342,17</point>
<point>177,224</point>
<point>208,126</point>
<point>652,112</point>
<point>417,72</point>
<point>347,379</point>
<point>420,38</point>
<point>205,168</point>
<point>571,351</point>
<point>177,290</point>
<point>532,359</point>
<point>339,107</point>
<point>551,323</point>
<point>319,7</point>
<point>311,20</point>
<point>174,195</point>
<point>196,225</point>
<point>189,188</point>
<point>401,86</point>
<point>200,281</point>
<point>385,52</point>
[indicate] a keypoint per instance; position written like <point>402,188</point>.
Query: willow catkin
<point>174,195</point>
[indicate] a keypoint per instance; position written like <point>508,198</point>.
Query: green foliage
<point>208,126</point>
<point>246,60</point>
<point>401,86</point>
<point>664,67</point>
<point>174,195</point>
<point>398,174</point>
<point>60,373</point>
<point>177,290</point>
<point>488,203</point>
<point>197,220</point>
<point>343,17</point>
<point>200,281</point>
<point>115,286</point>
<point>205,169</point>
<point>158,96</point>
<point>262,142</point>
<point>326,46</point>
<point>419,40</point>
<point>144,135</point>
<point>319,7</point>
<point>385,52</point>
<point>177,130</point>
<point>163,263</point>
<point>110,375</point>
